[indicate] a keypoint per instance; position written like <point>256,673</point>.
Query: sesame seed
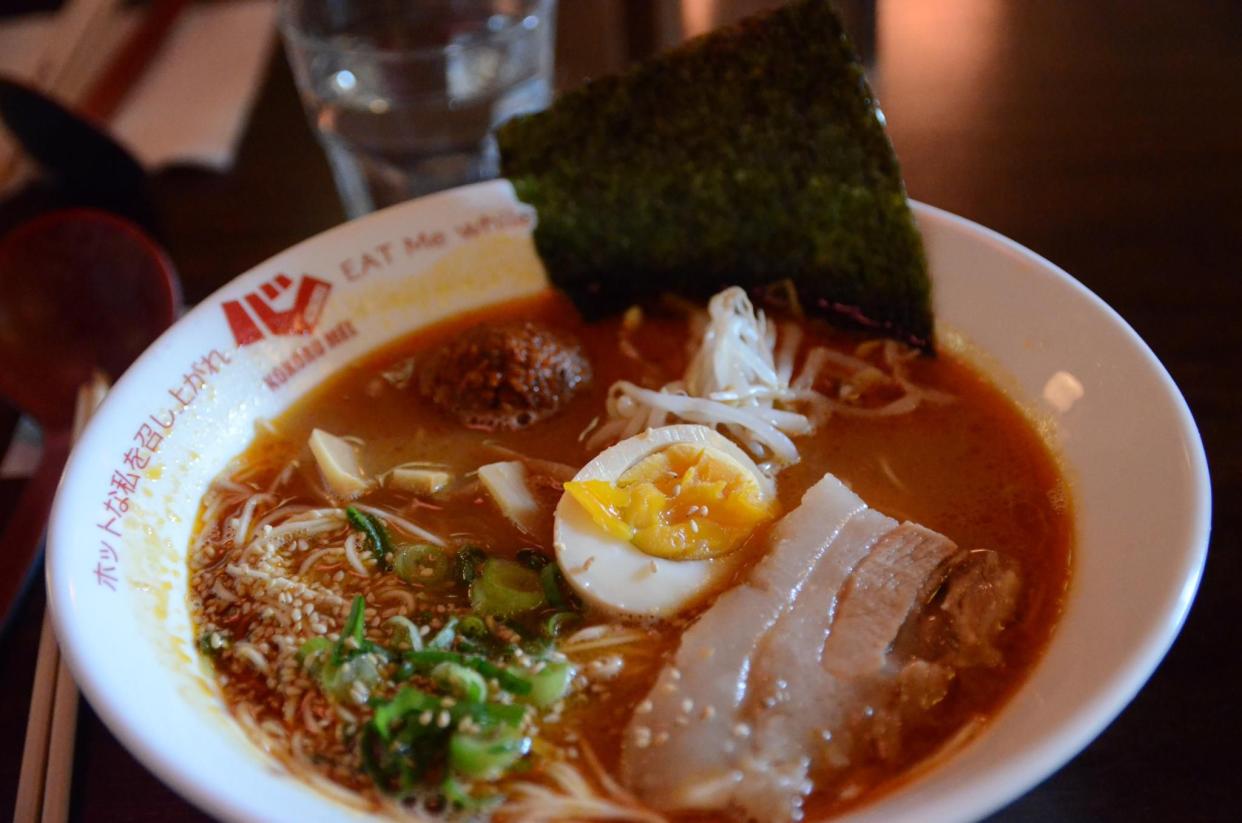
<point>643,707</point>
<point>443,720</point>
<point>687,705</point>
<point>742,730</point>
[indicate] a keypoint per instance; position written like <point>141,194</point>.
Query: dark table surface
<point>1105,135</point>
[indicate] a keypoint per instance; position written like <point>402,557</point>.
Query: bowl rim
<point>1006,782</point>
<point>1000,785</point>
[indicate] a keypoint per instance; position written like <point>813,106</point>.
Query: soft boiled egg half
<point>651,524</point>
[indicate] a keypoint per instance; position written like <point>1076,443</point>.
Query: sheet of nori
<point>749,155</point>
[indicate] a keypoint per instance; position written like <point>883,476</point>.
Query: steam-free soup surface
<point>974,469</point>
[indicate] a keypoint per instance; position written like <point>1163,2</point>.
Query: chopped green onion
<point>376,534</point>
<point>407,701</point>
<point>355,627</point>
<point>507,680</point>
<point>445,637</point>
<point>403,628</point>
<point>313,650</point>
<point>505,588</point>
<point>486,758</point>
<point>211,644</point>
<point>532,559</point>
<point>461,681</point>
<point>430,657</point>
<point>493,714</point>
<point>472,626</point>
<point>552,581</point>
<point>468,561</point>
<point>456,794</point>
<point>421,563</point>
<point>550,684</point>
<point>558,622</point>
<point>504,678</point>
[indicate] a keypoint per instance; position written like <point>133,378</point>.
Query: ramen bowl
<point>128,503</point>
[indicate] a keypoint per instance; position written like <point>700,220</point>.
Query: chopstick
<point>47,755</point>
<point>76,24</point>
<point>108,90</point>
<point>60,66</point>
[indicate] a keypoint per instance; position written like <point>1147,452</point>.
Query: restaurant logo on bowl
<point>278,309</point>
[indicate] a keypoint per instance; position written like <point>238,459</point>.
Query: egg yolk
<point>681,503</point>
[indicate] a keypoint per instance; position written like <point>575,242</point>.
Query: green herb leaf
<point>376,534</point>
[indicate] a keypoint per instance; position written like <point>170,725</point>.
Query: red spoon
<point>80,290</point>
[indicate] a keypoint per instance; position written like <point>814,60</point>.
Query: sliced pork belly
<point>765,687</point>
<point>777,756</point>
<point>879,597</point>
<point>681,747</point>
<point>843,665</point>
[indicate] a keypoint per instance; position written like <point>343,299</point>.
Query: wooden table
<point>1105,135</point>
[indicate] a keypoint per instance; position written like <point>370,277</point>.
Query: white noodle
<point>351,555</point>
<point>252,654</point>
<point>280,513</point>
<point>292,528</point>
<point>314,557</point>
<point>217,588</point>
<point>572,797</point>
<point>231,486</point>
<point>603,636</point>
<point>402,524</point>
<point>242,532</point>
<point>209,525</point>
<point>285,474</point>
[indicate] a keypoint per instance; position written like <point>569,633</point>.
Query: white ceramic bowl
<point>118,590</point>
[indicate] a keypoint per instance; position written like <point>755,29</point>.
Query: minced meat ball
<point>505,376</point>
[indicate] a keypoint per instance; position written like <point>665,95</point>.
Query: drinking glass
<point>404,94</point>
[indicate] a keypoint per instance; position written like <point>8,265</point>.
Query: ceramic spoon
<point>80,290</point>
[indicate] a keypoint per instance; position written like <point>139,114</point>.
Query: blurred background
<point>1106,135</point>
